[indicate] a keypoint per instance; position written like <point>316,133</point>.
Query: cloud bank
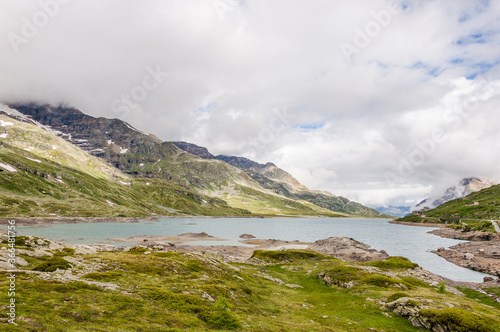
<point>380,101</point>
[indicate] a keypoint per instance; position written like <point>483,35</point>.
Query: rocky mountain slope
<point>283,183</point>
<point>142,155</point>
<point>462,189</point>
<point>42,175</point>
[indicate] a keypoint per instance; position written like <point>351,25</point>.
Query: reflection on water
<point>397,240</point>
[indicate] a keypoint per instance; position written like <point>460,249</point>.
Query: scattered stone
<point>486,279</point>
<point>4,261</point>
<point>479,256</point>
<point>293,286</point>
<point>207,296</point>
<point>268,277</point>
<point>469,256</point>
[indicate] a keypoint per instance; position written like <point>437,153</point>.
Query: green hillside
<point>471,212</point>
<point>141,155</point>
<point>44,188</point>
<point>488,206</point>
<point>147,289</point>
<point>278,181</point>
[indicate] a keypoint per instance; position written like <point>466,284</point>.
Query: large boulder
<point>348,249</point>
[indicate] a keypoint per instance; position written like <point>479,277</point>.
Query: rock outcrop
<point>478,256</point>
<point>348,249</point>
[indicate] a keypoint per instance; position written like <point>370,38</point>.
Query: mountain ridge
<point>42,175</point>
<point>281,182</point>
<point>142,155</point>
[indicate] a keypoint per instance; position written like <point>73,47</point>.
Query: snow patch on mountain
<point>6,123</point>
<point>8,167</point>
<point>35,160</point>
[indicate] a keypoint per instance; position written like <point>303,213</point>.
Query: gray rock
<point>469,256</point>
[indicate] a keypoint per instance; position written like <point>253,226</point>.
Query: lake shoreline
<point>147,230</point>
<point>41,221</point>
<point>422,224</point>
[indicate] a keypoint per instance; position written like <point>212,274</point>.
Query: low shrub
<point>476,295</point>
<point>393,263</point>
<point>103,276</point>
<point>286,255</point>
<point>459,320</point>
<point>381,280</point>
<point>20,241</point>
<point>53,264</point>
<point>65,252</point>
<point>216,315</point>
<point>219,319</point>
<point>413,281</point>
<point>176,301</point>
<point>441,288</point>
<point>137,250</point>
<point>396,296</point>
<point>344,274</point>
<point>74,286</point>
<point>412,303</point>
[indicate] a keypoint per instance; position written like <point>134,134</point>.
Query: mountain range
<point>275,179</point>
<point>109,168</point>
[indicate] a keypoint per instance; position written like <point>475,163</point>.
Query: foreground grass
<point>168,291</point>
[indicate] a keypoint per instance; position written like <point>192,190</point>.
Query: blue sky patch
<point>310,126</point>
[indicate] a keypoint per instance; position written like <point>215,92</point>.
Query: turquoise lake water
<point>398,240</point>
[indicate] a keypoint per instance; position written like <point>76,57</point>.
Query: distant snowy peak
<point>462,189</point>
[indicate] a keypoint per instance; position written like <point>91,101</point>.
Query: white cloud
<point>349,124</point>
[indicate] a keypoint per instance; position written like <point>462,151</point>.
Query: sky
<point>383,102</point>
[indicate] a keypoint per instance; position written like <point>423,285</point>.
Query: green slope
<point>488,206</point>
<point>279,181</point>
<point>45,188</point>
<point>46,145</point>
<point>471,212</point>
<point>147,289</point>
<point>142,155</point>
